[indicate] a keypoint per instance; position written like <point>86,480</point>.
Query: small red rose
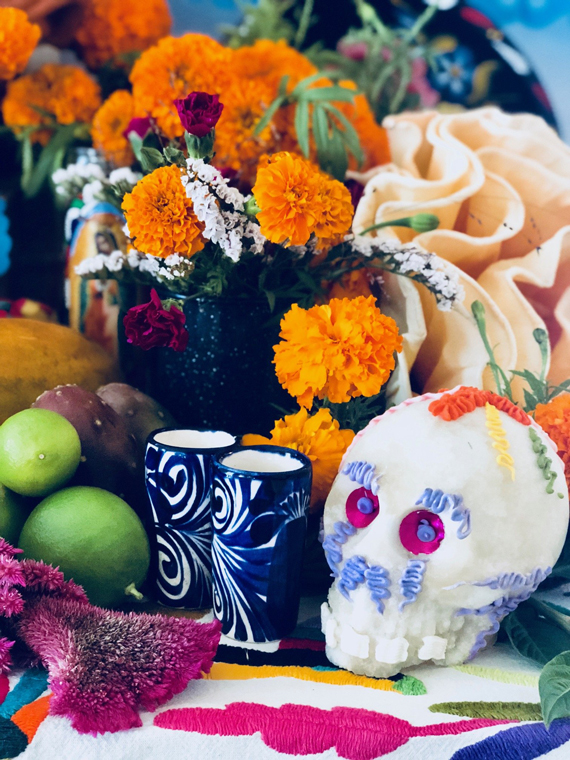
<point>199,112</point>
<point>150,325</point>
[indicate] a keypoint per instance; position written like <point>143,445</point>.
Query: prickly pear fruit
<point>141,413</point>
<point>108,451</point>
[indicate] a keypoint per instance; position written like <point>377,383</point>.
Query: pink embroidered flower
<point>150,325</point>
<point>199,112</point>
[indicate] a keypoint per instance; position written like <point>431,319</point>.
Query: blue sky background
<point>540,28</point>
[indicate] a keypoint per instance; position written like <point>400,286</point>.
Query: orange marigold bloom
<point>319,437</point>
<point>554,419</point>
<point>340,350</point>
<point>174,68</point>
<point>109,123</point>
<point>245,102</point>
<point>18,38</point>
<point>297,200</point>
<point>160,217</point>
<point>113,27</point>
<point>270,61</point>
<point>67,93</point>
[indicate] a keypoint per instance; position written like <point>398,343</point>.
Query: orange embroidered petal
<point>160,217</point>
<point>340,350</point>
<point>173,68</point>
<point>18,39</point>
<point>554,419</point>
<point>318,437</point>
<point>108,126</point>
<point>110,28</point>
<point>67,93</point>
<point>29,717</point>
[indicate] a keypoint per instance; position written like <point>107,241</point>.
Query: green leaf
<point>270,299</point>
<point>302,126</point>
<point>554,688</point>
<point>320,130</point>
<point>268,115</point>
<point>151,159</point>
<point>174,155</point>
<point>61,139</point>
<point>529,401</point>
<point>304,83</point>
<point>332,92</point>
<point>492,710</point>
<point>535,636</point>
<point>349,135</point>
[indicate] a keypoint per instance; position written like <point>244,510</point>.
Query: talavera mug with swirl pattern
<point>260,506</point>
<point>178,474</point>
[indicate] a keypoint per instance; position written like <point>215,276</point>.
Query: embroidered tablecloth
<point>284,699</point>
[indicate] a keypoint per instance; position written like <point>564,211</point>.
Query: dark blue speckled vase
<point>179,485</point>
<point>225,379</point>
<point>260,522</point>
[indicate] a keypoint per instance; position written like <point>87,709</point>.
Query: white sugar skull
<point>447,512</point>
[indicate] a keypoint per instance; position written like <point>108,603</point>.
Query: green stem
<point>304,23</point>
<point>131,590</point>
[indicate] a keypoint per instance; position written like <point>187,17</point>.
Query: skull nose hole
<point>421,532</point>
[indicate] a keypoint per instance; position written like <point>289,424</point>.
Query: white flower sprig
<point>134,266</point>
<point>69,182</point>
<point>410,261</point>
<point>221,209</point>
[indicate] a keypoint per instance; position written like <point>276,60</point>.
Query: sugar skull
<point>447,512</point>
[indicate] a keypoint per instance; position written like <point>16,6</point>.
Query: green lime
<point>94,537</point>
<point>39,452</point>
<point>13,513</point>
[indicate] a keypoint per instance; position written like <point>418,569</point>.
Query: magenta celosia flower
<point>141,126</point>
<point>103,666</point>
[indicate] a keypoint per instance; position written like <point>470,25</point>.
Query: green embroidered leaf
<point>534,635</point>
<point>492,710</point>
<point>554,688</point>
<point>410,686</point>
<point>302,126</point>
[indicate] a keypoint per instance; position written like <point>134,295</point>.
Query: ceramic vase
<point>259,521</point>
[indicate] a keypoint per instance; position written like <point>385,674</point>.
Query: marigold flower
<point>270,61</point>
<point>319,437</point>
<point>340,350</point>
<point>554,419</point>
<point>160,217</point>
<point>173,68</point>
<point>236,146</point>
<point>297,200</point>
<point>18,38</point>
<point>67,93</point>
<point>113,27</point>
<point>109,125</point>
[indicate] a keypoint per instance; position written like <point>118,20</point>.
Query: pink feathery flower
<point>11,571</point>
<point>11,603</point>
<point>5,659</point>
<point>7,549</point>
<point>44,579</point>
<point>121,662</point>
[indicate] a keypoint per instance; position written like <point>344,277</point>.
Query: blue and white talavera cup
<point>260,506</point>
<point>178,474</point>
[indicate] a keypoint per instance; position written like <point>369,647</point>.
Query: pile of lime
<point>93,536</point>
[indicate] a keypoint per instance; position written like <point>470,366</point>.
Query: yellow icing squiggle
<point>500,442</point>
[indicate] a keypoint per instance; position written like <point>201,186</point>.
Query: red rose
<point>199,112</point>
<point>141,126</point>
<point>152,326</point>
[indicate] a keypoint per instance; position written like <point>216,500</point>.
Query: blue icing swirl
<point>378,582</point>
<point>437,501</point>
<point>411,581</point>
<point>333,543</point>
<point>352,575</point>
<point>363,473</point>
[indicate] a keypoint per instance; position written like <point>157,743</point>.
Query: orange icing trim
<point>452,406</point>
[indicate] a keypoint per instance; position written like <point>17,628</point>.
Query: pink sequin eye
<point>421,532</point>
<point>362,507</point>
